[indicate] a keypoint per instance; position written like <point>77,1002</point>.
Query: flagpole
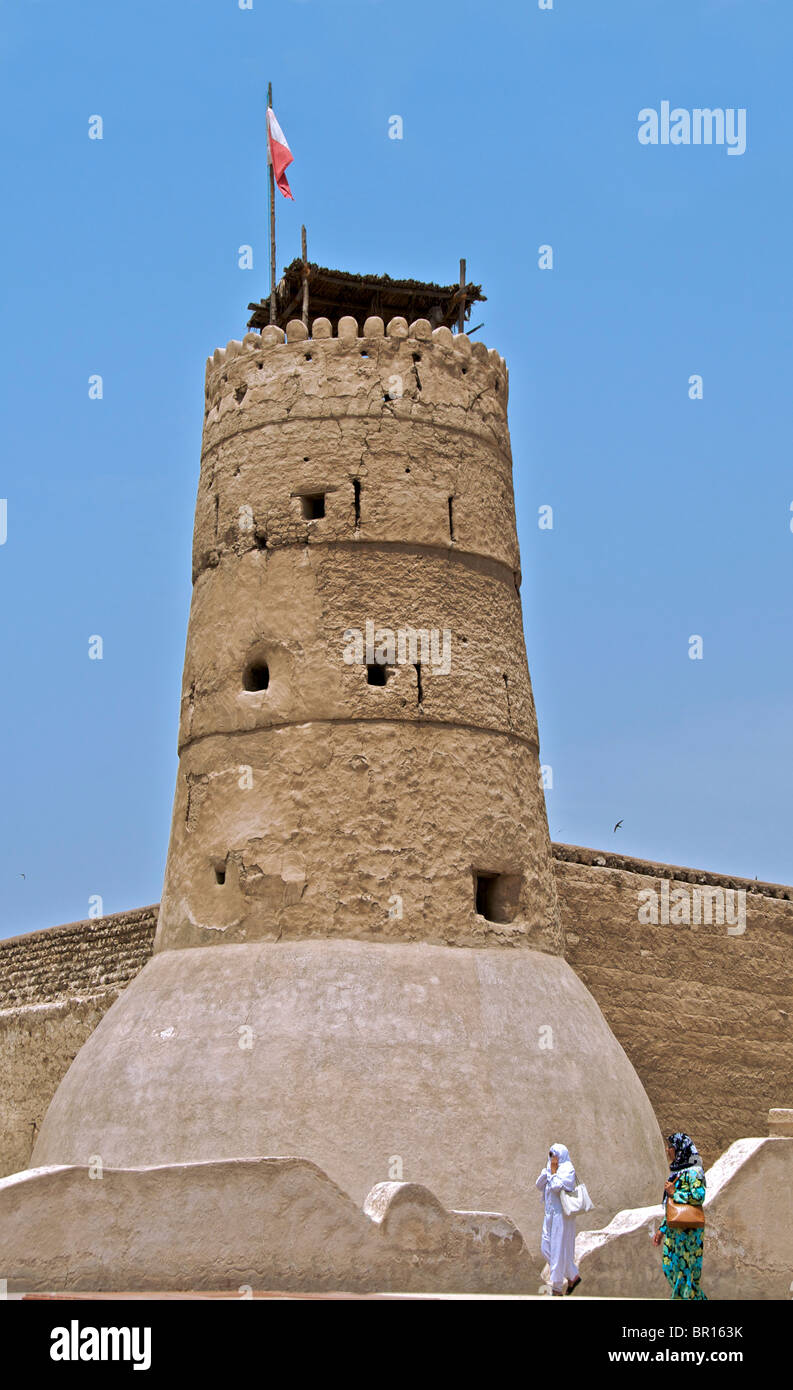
<point>272,209</point>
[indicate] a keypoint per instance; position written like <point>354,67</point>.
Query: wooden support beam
<point>461,314</point>
<point>305,276</point>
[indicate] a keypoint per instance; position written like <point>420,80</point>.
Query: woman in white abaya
<point>558,1230</point>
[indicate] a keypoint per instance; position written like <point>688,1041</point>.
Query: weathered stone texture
<point>414,422</point>
<point>300,602</point>
<point>705,1017</point>
<point>402,869</point>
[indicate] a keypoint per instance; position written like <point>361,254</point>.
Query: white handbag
<point>578,1201</point>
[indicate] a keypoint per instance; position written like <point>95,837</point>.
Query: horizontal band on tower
<point>476,560</point>
<point>419,722</point>
<point>478,436</point>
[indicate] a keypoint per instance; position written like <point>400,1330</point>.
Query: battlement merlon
<point>398,330</point>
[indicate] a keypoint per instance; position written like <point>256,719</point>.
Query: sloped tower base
<point>455,1068</point>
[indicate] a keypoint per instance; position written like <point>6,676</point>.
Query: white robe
<point>558,1230</point>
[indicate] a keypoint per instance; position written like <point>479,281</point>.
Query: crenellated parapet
<point>465,352</point>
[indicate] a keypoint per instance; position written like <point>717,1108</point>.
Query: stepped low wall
<point>199,1226</point>
<point>704,1012</point>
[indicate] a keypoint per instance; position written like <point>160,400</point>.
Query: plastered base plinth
<point>454,1068</point>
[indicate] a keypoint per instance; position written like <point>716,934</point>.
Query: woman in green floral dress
<point>681,1256</point>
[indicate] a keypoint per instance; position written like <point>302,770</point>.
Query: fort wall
<point>55,986</point>
<point>705,1012</point>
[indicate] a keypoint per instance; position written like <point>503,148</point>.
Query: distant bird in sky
<point>617,826</point>
<point>21,875</point>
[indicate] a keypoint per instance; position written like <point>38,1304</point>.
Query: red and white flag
<point>280,154</point>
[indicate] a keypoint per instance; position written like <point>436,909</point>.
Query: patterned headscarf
<point>686,1155</point>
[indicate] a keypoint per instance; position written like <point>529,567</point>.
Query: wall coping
<point>133,916</point>
<point>602,859</point>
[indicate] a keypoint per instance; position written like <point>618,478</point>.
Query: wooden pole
<point>461,311</point>
<point>272,209</point>
<point>305,276</point>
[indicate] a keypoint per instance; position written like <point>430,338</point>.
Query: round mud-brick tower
<point>358,959</point>
<point>358,741</point>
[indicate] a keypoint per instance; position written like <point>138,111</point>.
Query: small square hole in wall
<point>312,505</point>
<point>497,896</point>
<point>376,674</point>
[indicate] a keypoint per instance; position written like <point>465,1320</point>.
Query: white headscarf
<point>565,1169</point>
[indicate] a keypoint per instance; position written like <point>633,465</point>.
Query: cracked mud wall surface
<point>312,800</point>
<point>400,868</point>
<point>318,416</point>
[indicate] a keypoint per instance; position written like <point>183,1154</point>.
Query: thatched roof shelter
<point>333,294</point>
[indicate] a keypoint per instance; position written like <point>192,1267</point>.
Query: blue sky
<point>671,516</point>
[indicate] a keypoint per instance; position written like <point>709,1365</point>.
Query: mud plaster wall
<point>351,480</point>
<point>55,986</point>
<point>704,1017</point>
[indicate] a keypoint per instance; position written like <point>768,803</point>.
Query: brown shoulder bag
<point>682,1216</point>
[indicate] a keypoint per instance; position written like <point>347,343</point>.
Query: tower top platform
<point>336,294</point>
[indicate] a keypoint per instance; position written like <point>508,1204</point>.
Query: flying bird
<point>617,826</point>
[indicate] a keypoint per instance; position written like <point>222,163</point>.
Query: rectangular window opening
<point>312,505</point>
<point>497,896</point>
